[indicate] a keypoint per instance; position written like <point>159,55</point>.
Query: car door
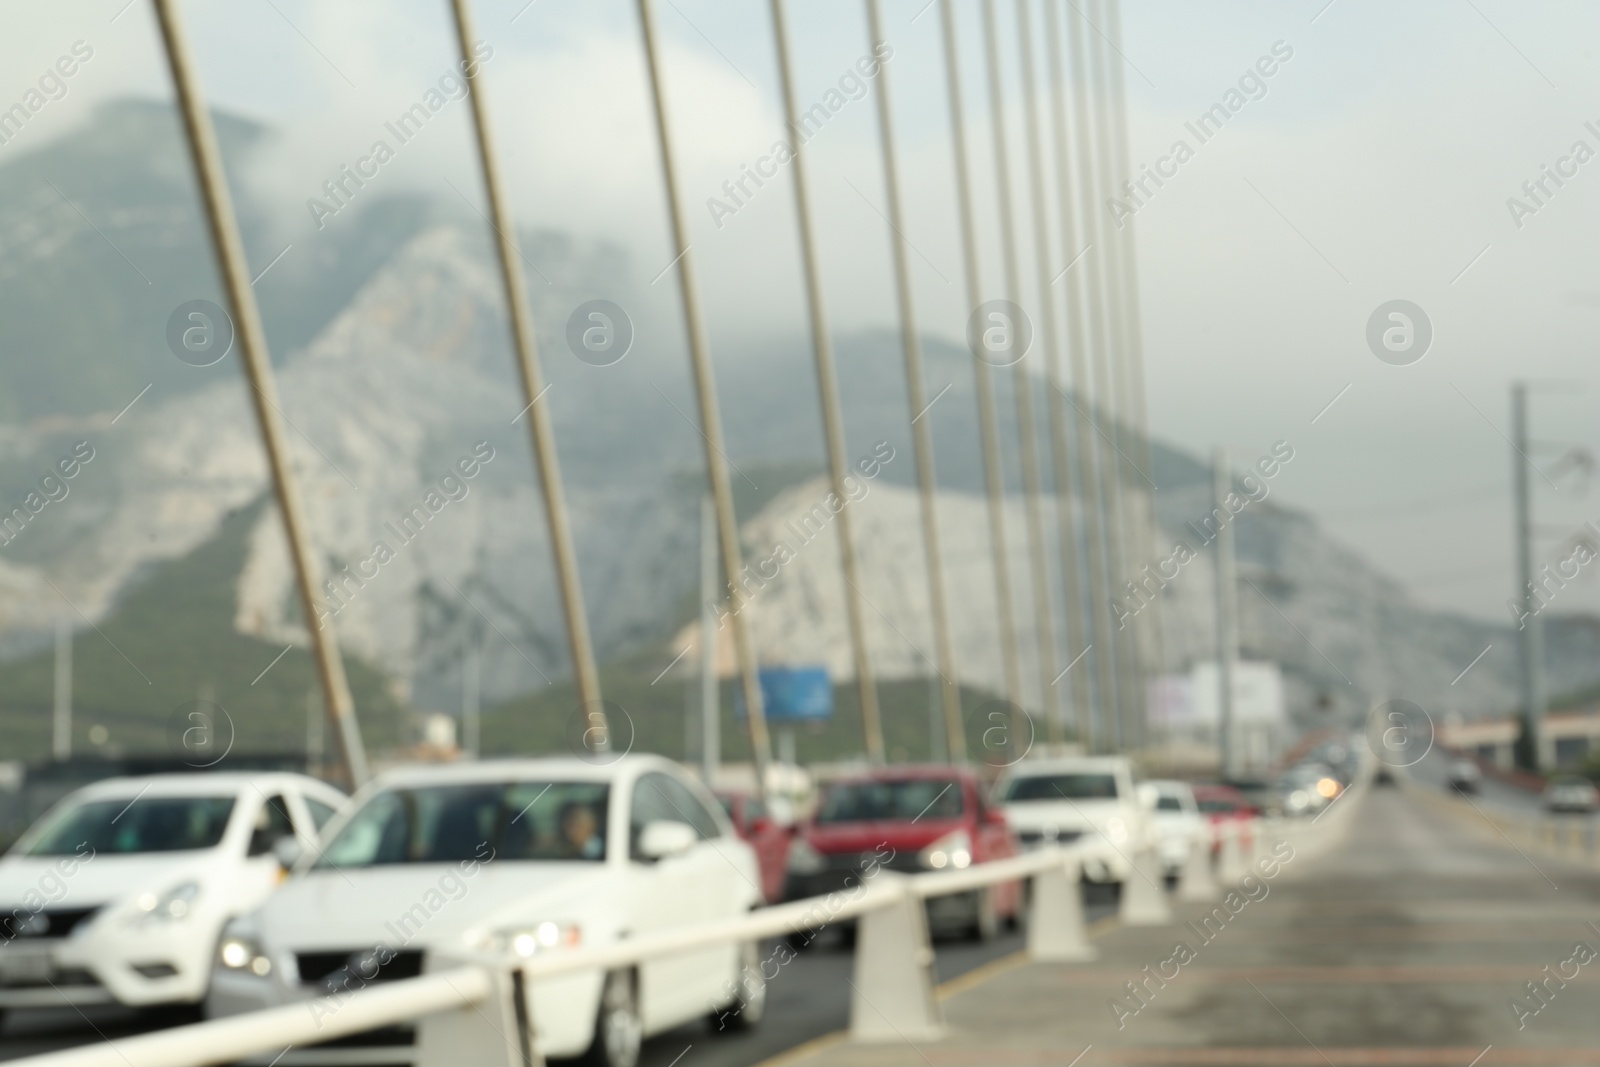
<point>269,822</point>
<point>693,887</point>
<point>771,844</point>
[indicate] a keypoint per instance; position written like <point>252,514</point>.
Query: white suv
<point>516,856</point>
<point>120,892</point>
<point>1063,800</point>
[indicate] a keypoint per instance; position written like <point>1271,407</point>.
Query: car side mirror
<point>287,851</point>
<point>664,838</point>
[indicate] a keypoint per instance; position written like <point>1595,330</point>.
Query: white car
<point>520,857</point>
<point>120,892</point>
<point>1063,800</point>
<point>1571,793</point>
<point>1176,821</point>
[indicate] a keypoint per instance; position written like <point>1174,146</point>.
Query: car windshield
<point>904,800</point>
<point>1216,805</point>
<point>139,823</point>
<point>1167,802</point>
<point>1567,781</point>
<point>480,820</point>
<point>1079,786</point>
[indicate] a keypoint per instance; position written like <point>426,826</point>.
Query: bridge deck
<point>1405,943</point>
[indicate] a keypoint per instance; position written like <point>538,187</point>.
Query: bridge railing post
<point>494,1033</point>
<point>892,996</point>
<point>1056,931</point>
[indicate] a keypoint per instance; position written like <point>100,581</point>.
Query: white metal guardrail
<point>471,1008</point>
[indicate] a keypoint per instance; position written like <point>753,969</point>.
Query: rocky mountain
<point>397,379</point>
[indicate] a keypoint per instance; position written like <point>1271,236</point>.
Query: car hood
<point>427,903</point>
<point>1066,814</point>
<point>902,836</point>
<point>94,881</point>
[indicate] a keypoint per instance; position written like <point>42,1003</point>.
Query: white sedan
<point>1090,797</point>
<point>514,856</point>
<point>1176,820</point>
<point>120,892</point>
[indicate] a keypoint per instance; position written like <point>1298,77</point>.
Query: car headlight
<point>803,859</point>
<point>952,850</point>
<point>175,903</point>
<point>243,953</point>
<point>1116,830</point>
<point>528,941</point>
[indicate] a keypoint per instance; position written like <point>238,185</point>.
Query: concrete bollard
<point>496,1032</point>
<point>1230,864</point>
<point>1144,897</point>
<point>1056,930</point>
<point>1197,883</point>
<point>892,996</point>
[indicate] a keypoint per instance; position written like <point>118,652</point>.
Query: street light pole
<point>1531,633</point>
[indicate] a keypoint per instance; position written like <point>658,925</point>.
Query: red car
<point>911,819</point>
<point>1221,803</point>
<point>769,840</point>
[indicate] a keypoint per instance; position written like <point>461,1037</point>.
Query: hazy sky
<point>1377,166</point>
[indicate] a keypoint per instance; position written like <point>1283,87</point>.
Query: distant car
<point>907,818</point>
<point>1464,776</point>
<point>1571,793</point>
<point>120,892</point>
<point>1221,804</point>
<point>1176,820</point>
<point>1066,799</point>
<point>1308,788</point>
<point>523,857</point>
<point>755,824</point>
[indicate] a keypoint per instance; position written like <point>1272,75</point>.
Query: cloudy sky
<point>1376,166</point>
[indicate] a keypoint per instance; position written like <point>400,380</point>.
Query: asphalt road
<point>1411,933</point>
<point>809,998</point>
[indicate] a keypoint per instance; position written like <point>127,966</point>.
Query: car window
<point>272,825</point>
<point>659,796</point>
<point>904,800</point>
<point>1167,802</point>
<point>1071,786</point>
<point>456,823</point>
<point>133,824</point>
<point>753,810</point>
<point>320,813</point>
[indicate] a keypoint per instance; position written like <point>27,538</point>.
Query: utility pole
<point>1227,613</point>
<point>1531,633</point>
<point>710,722</point>
<point>471,691</point>
<point>61,721</point>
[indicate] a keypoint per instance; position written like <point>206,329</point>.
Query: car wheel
<point>750,1008</point>
<point>618,1030</point>
<point>986,917</point>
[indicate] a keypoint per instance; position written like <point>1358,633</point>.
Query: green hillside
<point>171,640</point>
